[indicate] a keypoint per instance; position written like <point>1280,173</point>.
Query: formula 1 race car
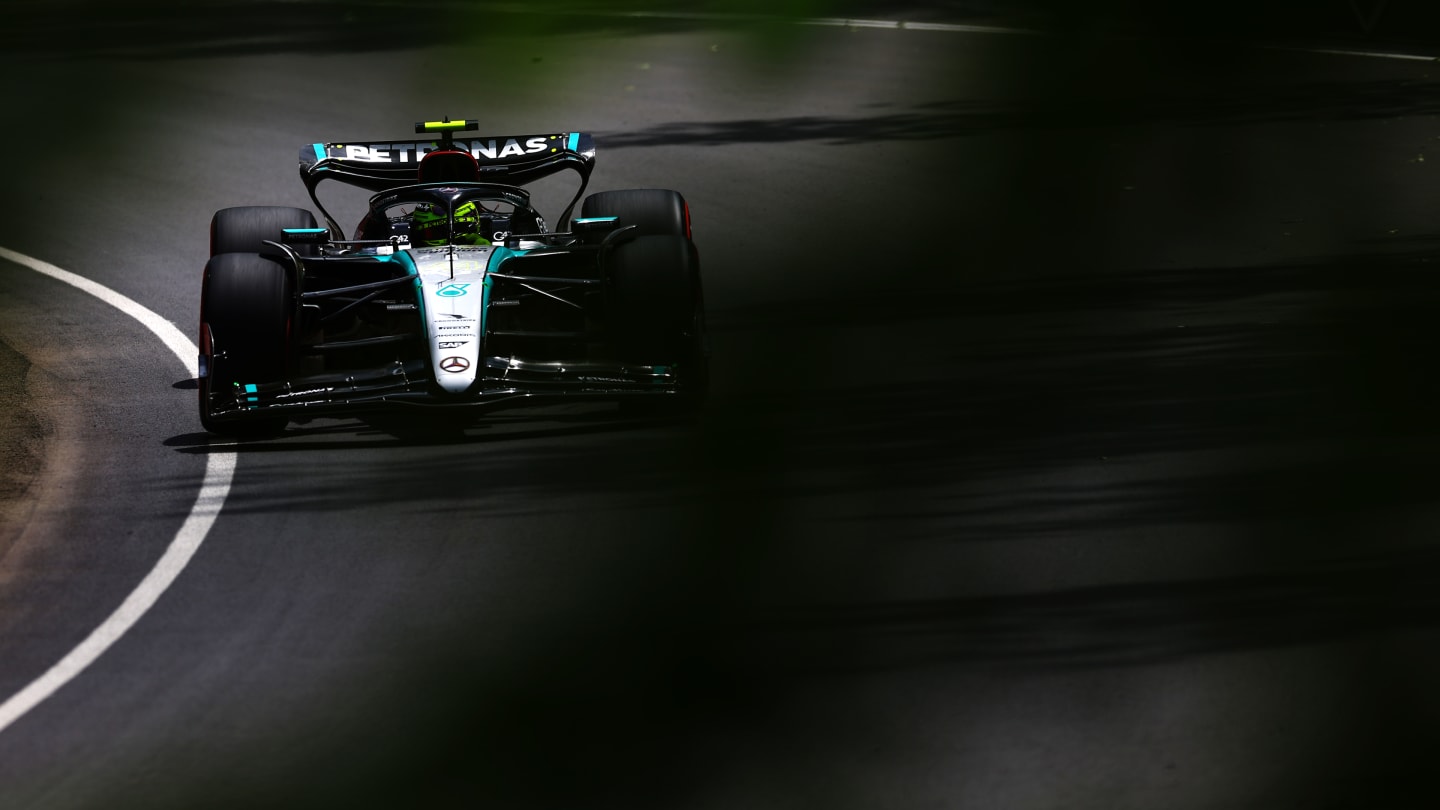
<point>451,296</point>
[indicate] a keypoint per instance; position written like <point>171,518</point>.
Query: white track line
<point>950,28</point>
<point>830,22</point>
<point>1409,57</point>
<point>219,470</point>
<point>904,25</point>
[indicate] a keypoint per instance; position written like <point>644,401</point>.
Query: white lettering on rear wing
<point>482,149</point>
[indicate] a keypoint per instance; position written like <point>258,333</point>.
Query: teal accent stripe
<point>574,142</point>
<point>401,258</point>
<point>484,311</point>
<point>320,153</point>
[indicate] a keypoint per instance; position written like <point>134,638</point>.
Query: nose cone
<point>453,281</point>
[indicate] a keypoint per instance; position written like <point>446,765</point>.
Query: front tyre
<point>656,310</point>
<point>246,228</point>
<point>245,319</point>
<point>653,211</point>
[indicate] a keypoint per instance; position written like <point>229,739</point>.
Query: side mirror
<point>593,229</point>
<point>305,236</point>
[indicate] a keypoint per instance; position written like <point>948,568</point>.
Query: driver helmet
<point>428,226</point>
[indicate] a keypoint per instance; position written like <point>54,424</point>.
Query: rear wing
<point>385,165</point>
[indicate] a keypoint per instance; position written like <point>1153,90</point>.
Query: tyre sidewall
<point>246,310</point>
<point>654,299</point>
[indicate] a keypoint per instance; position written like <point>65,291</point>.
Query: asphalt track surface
<point>1072,442</point>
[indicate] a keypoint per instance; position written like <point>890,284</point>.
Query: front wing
<point>502,383</point>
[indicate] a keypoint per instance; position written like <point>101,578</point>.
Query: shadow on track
<point>1318,102</point>
<point>1304,386</point>
<point>339,434</point>
<point>1120,625</point>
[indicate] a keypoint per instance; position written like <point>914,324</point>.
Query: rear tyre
<point>654,211</point>
<point>246,228</point>
<point>245,308</point>
<point>656,312</point>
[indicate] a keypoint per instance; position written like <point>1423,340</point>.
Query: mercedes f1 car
<point>451,295</point>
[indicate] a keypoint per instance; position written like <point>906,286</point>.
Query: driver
<point>428,226</point>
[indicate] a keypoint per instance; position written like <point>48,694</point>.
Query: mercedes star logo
<point>454,365</point>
